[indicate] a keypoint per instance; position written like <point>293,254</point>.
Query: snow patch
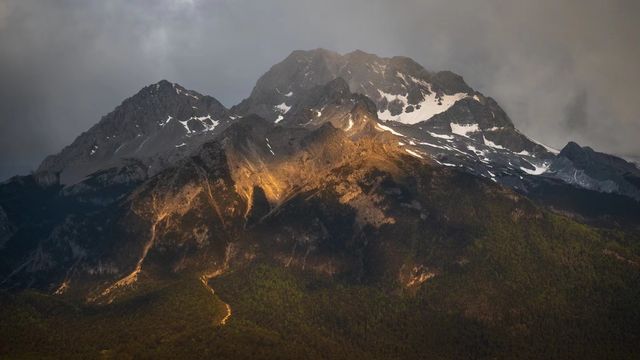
<point>445,164</point>
<point>420,81</point>
<point>539,169</point>
<point>349,124</point>
<point>440,136</point>
<point>283,108</point>
<point>386,128</point>
<point>490,143</point>
<point>186,127</point>
<point>269,146</point>
<point>463,129</point>
<point>166,121</point>
<point>433,145</point>
<point>475,151</point>
<point>429,107</point>
<point>208,125</point>
<point>401,76</point>
<point>413,153</point>
<point>185,93</point>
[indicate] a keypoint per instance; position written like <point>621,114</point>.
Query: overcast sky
<point>562,69</point>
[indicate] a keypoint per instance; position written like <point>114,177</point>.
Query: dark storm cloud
<point>63,64</point>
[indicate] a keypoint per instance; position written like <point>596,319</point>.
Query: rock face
<point>157,125</point>
<point>584,167</point>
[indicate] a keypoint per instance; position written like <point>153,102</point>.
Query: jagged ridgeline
<point>351,207</point>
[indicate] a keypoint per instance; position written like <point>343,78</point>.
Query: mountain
<point>434,114</point>
<point>351,207</point>
<point>597,171</point>
<point>402,90</point>
<point>161,122</point>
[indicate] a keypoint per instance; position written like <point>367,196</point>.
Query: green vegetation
<point>149,324</point>
<point>512,281</point>
<point>497,309</point>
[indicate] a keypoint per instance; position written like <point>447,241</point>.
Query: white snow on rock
<point>289,94</point>
<point>185,93</point>
<point>386,128</point>
<point>208,125</point>
<point>445,164</point>
<point>280,117</point>
<point>524,153</point>
<point>420,81</point>
<point>429,107</point>
<point>185,125</point>
<point>269,146</point>
<point>166,121</point>
<point>463,129</point>
<point>435,146</point>
<point>490,143</point>
<point>475,150</point>
<point>413,153</point>
<point>350,124</point>
<point>440,136</point>
<point>539,169</point>
<point>283,108</point>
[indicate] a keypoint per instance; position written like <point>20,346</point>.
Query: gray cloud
<point>576,116</point>
<point>65,63</point>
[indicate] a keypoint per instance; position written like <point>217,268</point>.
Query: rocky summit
<point>352,206</point>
